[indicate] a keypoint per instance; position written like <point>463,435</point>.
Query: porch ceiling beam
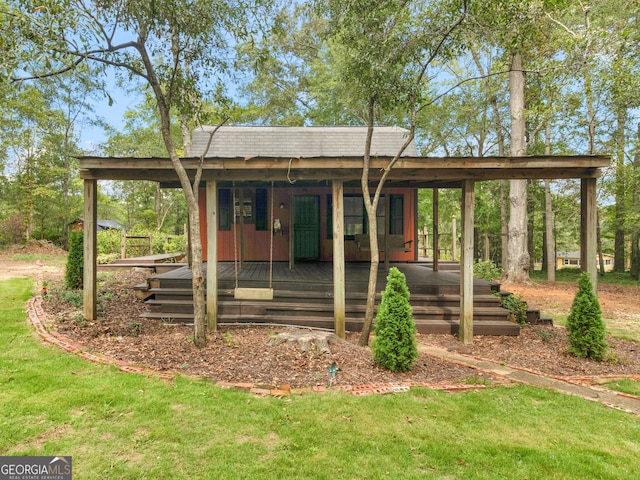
<point>324,183</point>
<point>348,169</point>
<point>339,163</point>
<point>396,175</point>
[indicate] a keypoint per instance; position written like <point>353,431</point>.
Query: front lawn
<point>118,425</point>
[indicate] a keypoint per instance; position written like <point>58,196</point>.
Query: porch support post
<point>387,223</point>
<point>292,227</point>
<point>89,290</point>
<point>436,231</point>
<point>589,229</point>
<point>465,333</point>
<point>454,239</point>
<point>241,232</point>
<point>338,258</point>
<point>212,255</point>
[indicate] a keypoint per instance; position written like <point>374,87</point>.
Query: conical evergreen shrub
<point>73,275</point>
<point>585,326</point>
<point>394,346</point>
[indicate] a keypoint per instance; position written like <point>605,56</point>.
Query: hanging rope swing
<point>248,293</point>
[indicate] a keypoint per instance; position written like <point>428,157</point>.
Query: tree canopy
<point>325,62</point>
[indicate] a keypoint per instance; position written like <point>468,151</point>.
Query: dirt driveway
<point>11,266</point>
<point>620,304</point>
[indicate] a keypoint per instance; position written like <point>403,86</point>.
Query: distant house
<point>572,260</point>
<point>78,224</point>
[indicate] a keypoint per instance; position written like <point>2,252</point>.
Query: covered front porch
<point>272,158</point>
<point>303,296</point>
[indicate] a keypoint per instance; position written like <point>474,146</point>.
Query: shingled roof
<point>299,142</point>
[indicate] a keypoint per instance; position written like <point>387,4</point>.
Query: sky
<point>92,136</point>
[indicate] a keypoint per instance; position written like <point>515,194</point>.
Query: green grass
<point>631,333</point>
<point>632,387</point>
<point>127,426</point>
<point>58,260</point>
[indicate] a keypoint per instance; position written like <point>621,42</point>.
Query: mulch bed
<point>242,354</point>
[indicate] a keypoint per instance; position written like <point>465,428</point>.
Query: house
<point>292,196</point>
<point>572,260</point>
<point>101,225</point>
<point>306,204</point>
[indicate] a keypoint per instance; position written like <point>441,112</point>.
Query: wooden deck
<point>304,296</point>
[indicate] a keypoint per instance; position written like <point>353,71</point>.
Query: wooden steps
<point>436,308</point>
<point>480,327</point>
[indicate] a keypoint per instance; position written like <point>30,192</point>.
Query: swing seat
<point>253,293</point>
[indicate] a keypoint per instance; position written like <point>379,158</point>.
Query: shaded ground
<point>242,354</point>
<point>620,303</point>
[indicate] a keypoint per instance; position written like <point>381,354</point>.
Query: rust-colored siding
<point>256,243</point>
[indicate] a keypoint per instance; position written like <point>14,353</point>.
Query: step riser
<point>436,308</point>
<point>327,289</point>
<point>487,327</point>
<point>302,308</point>
<point>329,301</point>
<point>240,311</point>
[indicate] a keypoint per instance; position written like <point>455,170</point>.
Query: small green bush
<point>165,243</point>
<point>72,297</point>
<point>517,306</point>
<point>175,244</point>
<point>487,270</point>
<point>585,326</point>
<point>394,346</point>
<point>109,242</point>
<point>74,272</point>
<point>107,258</point>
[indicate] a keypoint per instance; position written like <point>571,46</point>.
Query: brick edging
<point>591,382</point>
<point>37,318</point>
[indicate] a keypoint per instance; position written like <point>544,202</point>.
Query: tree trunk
<point>591,133</point>
<point>531,211</point>
<point>549,237</point>
<point>550,248</point>
<point>504,224</point>
<point>517,270</point>
<point>186,135</point>
<point>27,219</point>
<point>620,254</point>
<point>497,121</point>
<point>157,200</point>
<point>635,233</point>
<point>599,245</point>
<point>193,211</point>
<point>635,254</point>
<point>371,207</point>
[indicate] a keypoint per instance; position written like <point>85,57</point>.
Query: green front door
<point>307,227</point>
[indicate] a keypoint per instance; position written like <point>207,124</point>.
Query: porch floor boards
<point>304,296</point>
